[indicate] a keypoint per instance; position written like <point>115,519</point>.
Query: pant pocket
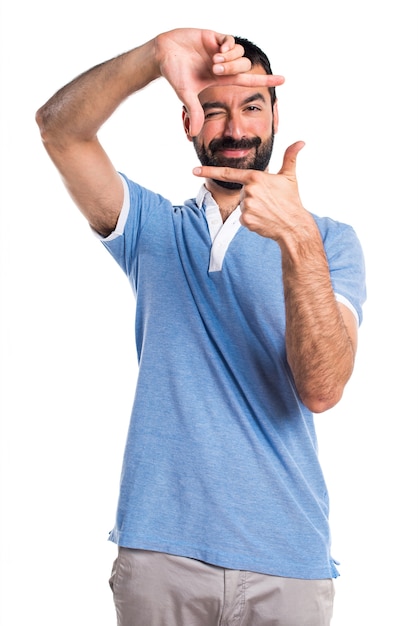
<point>114,574</point>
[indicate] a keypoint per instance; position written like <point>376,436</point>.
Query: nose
<point>234,127</point>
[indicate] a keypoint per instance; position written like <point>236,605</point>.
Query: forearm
<point>189,59</point>
<point>320,351</point>
<point>78,110</point>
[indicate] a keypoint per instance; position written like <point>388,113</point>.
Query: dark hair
<point>257,57</point>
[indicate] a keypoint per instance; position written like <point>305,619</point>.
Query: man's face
<point>238,130</point>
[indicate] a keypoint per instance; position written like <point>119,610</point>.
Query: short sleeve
<point>346,264</point>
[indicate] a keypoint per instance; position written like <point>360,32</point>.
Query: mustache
<point>229,143</point>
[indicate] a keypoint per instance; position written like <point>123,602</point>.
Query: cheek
<point>208,134</point>
<point>264,128</point>
<point>211,129</point>
<point>257,126</point>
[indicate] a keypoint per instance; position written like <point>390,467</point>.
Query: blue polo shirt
<point>221,460</point>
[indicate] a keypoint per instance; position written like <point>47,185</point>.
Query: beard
<point>257,161</point>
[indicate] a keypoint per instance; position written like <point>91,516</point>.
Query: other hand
<point>192,59</point>
<point>270,203</point>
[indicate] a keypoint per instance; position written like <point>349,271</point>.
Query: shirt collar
<point>204,198</point>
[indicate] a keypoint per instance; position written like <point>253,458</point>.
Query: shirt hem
<point>226,560</point>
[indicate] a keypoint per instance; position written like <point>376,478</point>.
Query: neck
<point>226,199</point>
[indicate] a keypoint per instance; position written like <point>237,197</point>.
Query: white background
<point>68,360</point>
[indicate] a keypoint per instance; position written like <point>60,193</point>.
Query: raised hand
<point>270,203</point>
<point>192,60</point>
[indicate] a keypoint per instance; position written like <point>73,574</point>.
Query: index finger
<point>230,174</point>
<point>244,78</point>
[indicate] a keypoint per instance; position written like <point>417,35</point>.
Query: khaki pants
<point>157,589</point>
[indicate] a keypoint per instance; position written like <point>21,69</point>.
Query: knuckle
<point>228,173</point>
<point>254,179</point>
<point>257,176</point>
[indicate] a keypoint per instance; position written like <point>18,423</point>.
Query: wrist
<point>301,242</point>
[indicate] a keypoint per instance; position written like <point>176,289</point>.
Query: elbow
<point>320,401</point>
<point>323,389</point>
<point>41,122</point>
<point>53,137</point>
<point>41,118</point>
<point>48,125</point>
<point>320,404</point>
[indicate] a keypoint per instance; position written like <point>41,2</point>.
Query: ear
<point>275,117</point>
<point>186,123</point>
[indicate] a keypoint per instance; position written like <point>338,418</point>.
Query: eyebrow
<point>221,105</point>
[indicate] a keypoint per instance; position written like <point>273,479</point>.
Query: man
<point>247,316</point>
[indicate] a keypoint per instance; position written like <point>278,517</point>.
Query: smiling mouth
<point>231,153</point>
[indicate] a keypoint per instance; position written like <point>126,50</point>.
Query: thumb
<point>195,112</point>
<point>289,160</point>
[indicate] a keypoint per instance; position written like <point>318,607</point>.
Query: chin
<point>226,184</point>
<point>239,164</point>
